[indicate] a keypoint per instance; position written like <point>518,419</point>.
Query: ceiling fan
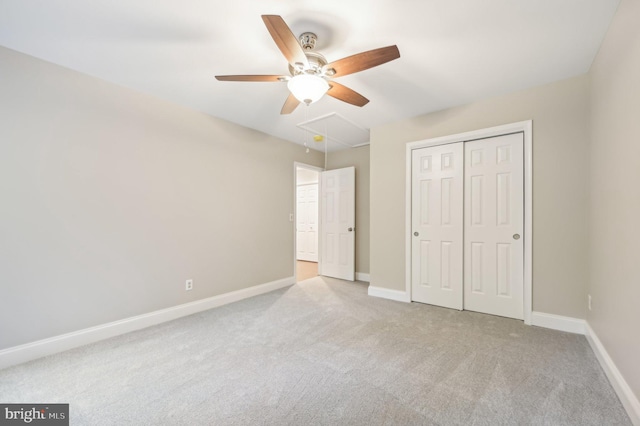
<point>311,74</point>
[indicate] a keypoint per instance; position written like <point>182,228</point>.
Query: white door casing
<point>494,226</point>
<point>307,222</point>
<point>496,263</point>
<point>524,128</point>
<point>437,225</point>
<point>337,236</point>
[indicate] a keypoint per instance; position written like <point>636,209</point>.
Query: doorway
<point>324,241</point>
<point>307,201</point>
<point>469,221</point>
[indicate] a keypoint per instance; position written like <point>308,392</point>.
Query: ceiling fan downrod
<point>308,41</point>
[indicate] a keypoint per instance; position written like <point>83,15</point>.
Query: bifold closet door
<point>494,223</point>
<point>437,224</point>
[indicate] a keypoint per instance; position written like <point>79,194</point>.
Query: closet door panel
<point>493,226</point>
<point>437,225</point>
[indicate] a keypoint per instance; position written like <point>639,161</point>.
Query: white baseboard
<point>578,326</point>
<point>385,293</point>
<point>361,276</point>
<point>620,385</point>
<point>27,352</point>
<point>558,322</point>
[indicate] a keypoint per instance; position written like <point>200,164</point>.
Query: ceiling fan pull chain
<point>326,144</point>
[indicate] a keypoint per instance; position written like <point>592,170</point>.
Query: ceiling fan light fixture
<point>308,88</point>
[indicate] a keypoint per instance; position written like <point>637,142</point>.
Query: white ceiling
<point>452,51</point>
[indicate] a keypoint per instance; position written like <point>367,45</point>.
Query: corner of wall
<point>627,397</point>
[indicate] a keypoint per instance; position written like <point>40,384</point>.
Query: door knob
<point>350,229</point>
<point>516,236</point>
<point>416,233</point>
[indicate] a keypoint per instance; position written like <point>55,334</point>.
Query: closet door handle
<point>416,233</point>
<point>516,236</point>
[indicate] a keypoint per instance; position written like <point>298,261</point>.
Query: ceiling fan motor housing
<point>316,65</point>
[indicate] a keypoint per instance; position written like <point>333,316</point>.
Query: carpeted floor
<point>323,352</point>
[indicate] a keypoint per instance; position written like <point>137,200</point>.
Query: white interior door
<point>337,238</point>
<point>494,224</point>
<point>307,222</point>
<point>437,225</point>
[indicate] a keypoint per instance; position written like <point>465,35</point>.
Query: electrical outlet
<point>589,301</point>
<point>188,285</point>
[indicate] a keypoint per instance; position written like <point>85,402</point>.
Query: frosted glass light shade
<point>308,88</point>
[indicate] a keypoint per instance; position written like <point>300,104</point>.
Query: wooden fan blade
<point>285,40</point>
<point>347,95</point>
<point>251,77</point>
<point>364,60</point>
<point>290,104</point>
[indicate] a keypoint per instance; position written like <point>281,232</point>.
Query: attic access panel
<point>335,128</point>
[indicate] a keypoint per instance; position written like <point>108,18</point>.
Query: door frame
<point>297,165</point>
<point>525,127</point>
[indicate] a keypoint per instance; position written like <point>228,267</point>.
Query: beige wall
<point>560,187</point>
<point>358,157</point>
<point>111,199</point>
<point>615,199</point>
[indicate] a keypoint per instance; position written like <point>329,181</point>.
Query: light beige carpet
<point>323,352</point>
